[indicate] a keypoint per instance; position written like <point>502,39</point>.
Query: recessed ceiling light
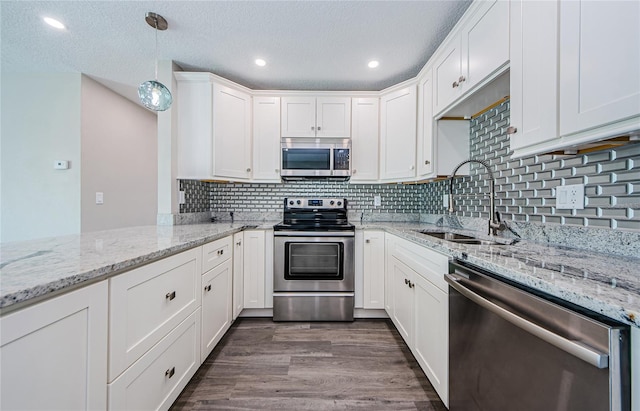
<point>373,64</point>
<point>261,62</point>
<point>54,23</point>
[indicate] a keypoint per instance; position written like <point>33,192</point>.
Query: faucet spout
<point>495,224</point>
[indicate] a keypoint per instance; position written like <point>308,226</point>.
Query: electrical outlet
<point>445,200</point>
<point>377,201</point>
<point>570,197</point>
<point>61,165</point>
<point>181,199</point>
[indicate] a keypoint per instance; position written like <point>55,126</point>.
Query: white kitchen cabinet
<point>419,306</point>
<point>309,116</point>
<point>477,51</point>
<point>576,83</point>
<point>373,269</point>
<point>238,274</point>
<point>425,125</point>
<point>54,353</point>
<point>146,303</point>
<point>254,269</point>
<point>266,139</point>
<point>398,134</point>
<point>194,105</point>
<point>231,133</point>
<point>599,63</point>
<point>365,114</point>
<point>217,305</point>
<point>155,380</point>
<point>534,72</point>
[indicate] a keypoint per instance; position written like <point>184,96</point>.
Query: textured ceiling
<point>308,45</point>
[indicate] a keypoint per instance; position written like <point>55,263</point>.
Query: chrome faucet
<point>495,224</point>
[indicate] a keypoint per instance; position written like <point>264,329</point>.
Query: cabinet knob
<point>170,296</point>
<point>169,373</point>
<point>318,128</point>
<point>354,171</point>
<point>367,241</point>
<point>207,288</point>
<point>248,170</point>
<point>427,162</point>
<point>277,170</point>
<point>239,243</point>
<point>412,167</point>
<point>313,128</point>
<point>512,130</point>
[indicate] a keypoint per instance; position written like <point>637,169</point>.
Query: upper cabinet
<point>364,139</point>
<point>266,139</point>
<point>231,133</point>
<point>574,74</point>
<point>398,134</point>
<point>316,117</point>
<point>477,52</point>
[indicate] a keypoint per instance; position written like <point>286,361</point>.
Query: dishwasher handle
<point>595,358</point>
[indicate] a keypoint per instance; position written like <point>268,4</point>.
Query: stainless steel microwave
<point>310,158</point>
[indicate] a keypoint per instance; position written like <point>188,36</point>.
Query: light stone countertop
<point>31,271</point>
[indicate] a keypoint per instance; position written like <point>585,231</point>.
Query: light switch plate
<point>99,198</point>
<point>570,197</point>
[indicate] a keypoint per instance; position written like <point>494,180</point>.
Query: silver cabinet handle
<point>512,130</point>
<point>170,296</point>
<point>318,128</point>
<point>406,281</point>
<point>461,79</point>
<point>595,358</point>
<point>455,84</point>
<point>248,170</point>
<point>169,373</point>
<point>220,252</point>
<point>367,241</point>
<point>427,162</point>
<point>239,243</point>
<point>207,288</point>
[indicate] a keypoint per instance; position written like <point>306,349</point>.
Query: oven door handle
<point>581,351</point>
<point>314,233</point>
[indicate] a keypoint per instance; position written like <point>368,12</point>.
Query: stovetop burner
<point>315,214</point>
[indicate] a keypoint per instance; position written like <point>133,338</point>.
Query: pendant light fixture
<point>153,94</point>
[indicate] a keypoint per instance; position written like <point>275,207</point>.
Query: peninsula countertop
<point>33,270</point>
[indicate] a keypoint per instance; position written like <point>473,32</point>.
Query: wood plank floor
<point>263,365</point>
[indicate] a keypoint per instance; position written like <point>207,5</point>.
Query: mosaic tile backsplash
<point>525,188</point>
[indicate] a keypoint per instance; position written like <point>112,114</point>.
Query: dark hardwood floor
<point>262,365</point>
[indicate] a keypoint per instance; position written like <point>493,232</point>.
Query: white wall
<point>119,159</point>
<point>40,124</point>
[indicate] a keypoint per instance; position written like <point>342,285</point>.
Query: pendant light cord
<point>156,28</point>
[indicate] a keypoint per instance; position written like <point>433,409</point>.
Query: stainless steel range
<point>313,272</point>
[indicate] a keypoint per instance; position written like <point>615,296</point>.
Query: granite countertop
<point>33,270</point>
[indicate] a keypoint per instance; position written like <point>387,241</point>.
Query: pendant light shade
<point>153,94</point>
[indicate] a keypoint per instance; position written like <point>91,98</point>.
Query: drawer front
<point>155,380</point>
<point>148,302</point>
<point>430,264</point>
<point>216,252</point>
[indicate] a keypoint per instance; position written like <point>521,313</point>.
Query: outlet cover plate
<point>570,197</point>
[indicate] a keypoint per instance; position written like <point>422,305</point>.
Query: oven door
<point>310,261</point>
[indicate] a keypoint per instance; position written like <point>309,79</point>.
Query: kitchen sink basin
<point>460,238</point>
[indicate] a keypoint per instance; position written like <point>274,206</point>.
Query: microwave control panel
<point>341,159</point>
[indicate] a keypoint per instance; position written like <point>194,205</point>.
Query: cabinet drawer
<point>216,252</point>
<point>427,263</point>
<point>155,380</point>
<point>148,302</point>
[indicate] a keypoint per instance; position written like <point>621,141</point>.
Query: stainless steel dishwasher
<point>510,349</point>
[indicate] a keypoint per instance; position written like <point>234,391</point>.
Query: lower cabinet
<point>254,269</point>
<point>373,269</point>
<point>238,274</point>
<point>54,353</point>
<point>417,303</point>
<point>217,306</point>
<point>157,378</point>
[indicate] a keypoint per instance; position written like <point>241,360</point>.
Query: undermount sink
<point>460,238</point>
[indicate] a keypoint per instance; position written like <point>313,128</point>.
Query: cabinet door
<point>238,274</point>
<point>431,342</point>
<point>599,63</point>
<point>217,294</point>
<point>195,129</point>
<point>266,139</point>
<point>447,70</point>
<point>231,133</point>
<point>398,135</point>
<point>403,299</point>
<point>54,354</point>
<point>534,72</point>
<point>373,267</point>
<point>425,126</point>
<point>298,117</point>
<point>333,117</point>
<point>254,269</point>
<point>364,139</point>
<point>485,43</point>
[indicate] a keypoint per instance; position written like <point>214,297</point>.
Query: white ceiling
<point>308,45</point>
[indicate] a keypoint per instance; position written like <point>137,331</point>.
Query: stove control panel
<point>339,203</point>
